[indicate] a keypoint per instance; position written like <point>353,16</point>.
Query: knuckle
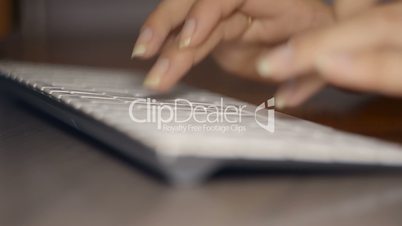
<point>382,66</point>
<point>302,41</point>
<point>159,18</point>
<point>369,70</point>
<point>152,21</point>
<point>298,44</point>
<point>228,62</point>
<point>385,18</point>
<point>310,44</point>
<point>155,18</point>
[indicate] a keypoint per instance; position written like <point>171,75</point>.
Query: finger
<point>288,18</point>
<point>370,71</point>
<point>174,62</point>
<point>168,15</point>
<point>269,25</point>
<point>204,16</point>
<point>347,8</point>
<point>374,29</point>
<point>239,58</point>
<point>298,91</point>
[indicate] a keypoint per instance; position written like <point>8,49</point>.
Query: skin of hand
<point>297,90</point>
<point>361,51</point>
<point>223,28</point>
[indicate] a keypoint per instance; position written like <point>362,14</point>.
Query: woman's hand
<point>235,31</point>
<point>361,51</point>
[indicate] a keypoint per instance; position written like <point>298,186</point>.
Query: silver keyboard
<point>106,97</point>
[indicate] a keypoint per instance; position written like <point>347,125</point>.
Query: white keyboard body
<point>97,102</point>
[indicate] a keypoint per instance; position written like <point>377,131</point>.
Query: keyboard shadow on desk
<point>234,172</point>
<point>99,146</point>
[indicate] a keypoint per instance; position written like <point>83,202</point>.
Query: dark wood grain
<point>50,175</point>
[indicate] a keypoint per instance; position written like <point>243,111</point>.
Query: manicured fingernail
<point>285,93</point>
<point>152,83</point>
<point>263,68</point>
<point>280,103</point>
<point>139,50</point>
<point>157,72</point>
<point>141,46</point>
<point>187,33</point>
<point>275,62</point>
<point>334,63</point>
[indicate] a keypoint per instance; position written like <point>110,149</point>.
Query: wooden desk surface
<point>50,175</point>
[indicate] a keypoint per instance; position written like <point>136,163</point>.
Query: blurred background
<point>47,27</point>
